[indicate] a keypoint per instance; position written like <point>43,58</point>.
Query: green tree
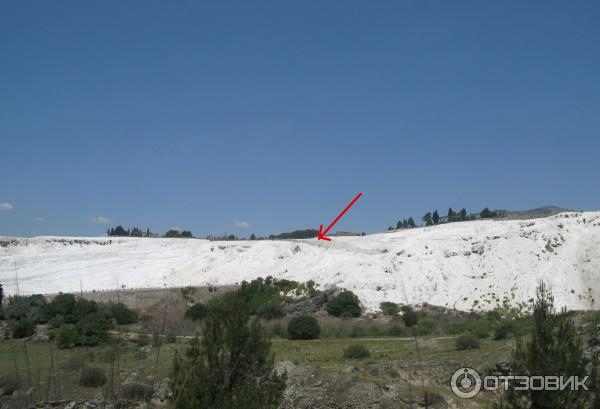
<point>303,327</point>
<point>409,316</point>
<point>231,367</point>
<point>411,222</point>
<point>93,329</point>
<point>21,329</point>
<point>196,312</point>
<point>450,214</point>
<point>345,304</point>
<point>435,217</point>
<point>121,314</point>
<point>463,214</point>
<point>427,218</point>
<point>552,347</point>
<point>399,225</point>
<point>67,337</point>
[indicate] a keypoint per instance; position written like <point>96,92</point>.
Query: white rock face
<point>476,264</point>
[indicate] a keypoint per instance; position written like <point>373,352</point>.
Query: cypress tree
<point>552,347</point>
<point>435,217</point>
<point>231,367</point>
<point>427,219</point>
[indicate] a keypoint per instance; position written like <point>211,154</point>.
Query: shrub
<point>481,333</point>
<point>425,327</point>
<point>357,351</point>
<point>196,312</point>
<point>467,341</point>
<point>67,337</point>
<point>92,377</point>
<point>389,308</point>
<point>345,304</point>
<point>303,327</point>
<point>21,329</point>
<point>26,307</point>
<point>56,321</point>
<point>395,330</point>
<point>409,316</point>
<point>271,309</point>
<point>503,331</point>
<point>93,329</point>
<point>122,315</point>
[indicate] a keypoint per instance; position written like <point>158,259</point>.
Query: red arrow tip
<point>321,236</point>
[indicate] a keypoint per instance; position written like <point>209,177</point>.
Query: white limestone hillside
<point>477,264</point>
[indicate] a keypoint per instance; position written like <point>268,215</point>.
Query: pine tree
<point>231,367</point>
<point>399,224</point>
<point>435,217</point>
<point>463,214</point>
<point>552,347</point>
<point>427,219</point>
<point>411,222</point>
<point>404,224</point>
<point>253,236</point>
<point>450,214</point>
<point>1,295</point>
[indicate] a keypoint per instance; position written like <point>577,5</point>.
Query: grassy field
<point>55,373</point>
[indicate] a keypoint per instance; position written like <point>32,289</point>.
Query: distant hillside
<point>478,264</point>
<point>545,211</point>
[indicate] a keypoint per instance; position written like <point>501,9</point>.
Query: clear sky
<point>212,116</point>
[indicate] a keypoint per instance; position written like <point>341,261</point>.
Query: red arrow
<point>322,233</point>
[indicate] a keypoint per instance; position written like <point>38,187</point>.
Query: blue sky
<point>276,114</point>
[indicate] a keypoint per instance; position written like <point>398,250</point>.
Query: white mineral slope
<point>466,265</point>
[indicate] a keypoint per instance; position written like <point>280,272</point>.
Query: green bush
<point>396,330</point>
<point>389,308</point>
<point>345,304</point>
<point>92,377</point>
<point>271,309</point>
<point>409,316</point>
<point>196,312</point>
<point>303,327</point>
<point>467,341</point>
<point>29,308</point>
<point>122,315</point>
<point>425,327</point>
<point>357,351</point>
<point>21,329</point>
<point>93,329</point>
<point>481,333</point>
<point>503,331</point>
<point>67,337</point>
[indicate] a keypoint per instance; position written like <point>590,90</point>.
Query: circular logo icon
<point>466,383</point>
